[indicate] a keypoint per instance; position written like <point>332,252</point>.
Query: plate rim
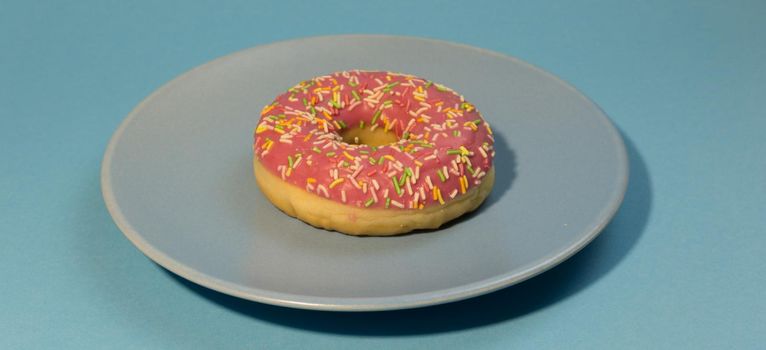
<point>404,301</point>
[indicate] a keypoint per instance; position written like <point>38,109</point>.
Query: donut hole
<point>375,138</point>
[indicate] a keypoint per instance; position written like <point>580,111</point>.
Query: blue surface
<point>681,266</point>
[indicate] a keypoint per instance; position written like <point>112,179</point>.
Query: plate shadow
<point>570,277</point>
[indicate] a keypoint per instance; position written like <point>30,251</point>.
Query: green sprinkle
<point>374,149</point>
<point>331,154</point>
<point>342,124</point>
<point>371,160</point>
<point>380,161</point>
<point>441,88</point>
<point>345,164</point>
<point>387,103</point>
<point>305,103</point>
<point>361,124</point>
<point>470,168</point>
<point>453,151</point>
<point>369,202</point>
<point>351,83</point>
<point>456,133</point>
<point>409,172</point>
<point>280,127</point>
<point>403,178</point>
<point>364,151</point>
<point>441,175</point>
<point>428,84</point>
<point>390,86</point>
<point>290,161</point>
<point>313,111</point>
<point>316,149</point>
<point>272,117</point>
<point>477,121</point>
<point>335,104</point>
<point>396,185</point>
<point>375,116</point>
<point>356,95</point>
<point>406,135</point>
<point>388,202</point>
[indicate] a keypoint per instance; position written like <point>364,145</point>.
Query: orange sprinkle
<point>311,180</point>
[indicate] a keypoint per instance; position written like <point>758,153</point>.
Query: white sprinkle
<point>353,182</point>
<point>483,152</point>
<point>375,183</point>
<point>343,195</point>
<point>453,194</point>
<point>359,170</point>
<point>445,172</point>
<point>385,193</point>
<point>397,204</point>
<point>422,193</point>
<point>364,187</point>
<point>429,183</point>
<point>409,187</point>
<point>323,190</point>
<point>374,195</point>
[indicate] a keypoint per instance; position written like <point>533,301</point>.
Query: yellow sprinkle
<point>439,194</point>
<point>336,182</point>
<point>390,157</point>
<point>348,155</point>
<point>418,163</point>
<point>307,138</point>
<point>311,180</point>
<point>489,130</point>
<point>267,109</point>
<point>279,131</point>
<point>260,129</point>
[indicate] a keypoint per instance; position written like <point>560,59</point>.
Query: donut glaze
<point>444,147</point>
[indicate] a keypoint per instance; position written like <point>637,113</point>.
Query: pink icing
<point>445,147</point>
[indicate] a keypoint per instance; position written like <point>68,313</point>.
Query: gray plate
<point>177,179</point>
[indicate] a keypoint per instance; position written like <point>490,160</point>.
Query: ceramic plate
<point>177,179</point>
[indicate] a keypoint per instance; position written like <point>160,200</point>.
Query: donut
<point>373,153</point>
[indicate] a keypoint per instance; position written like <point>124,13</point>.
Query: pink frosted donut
<point>373,153</point>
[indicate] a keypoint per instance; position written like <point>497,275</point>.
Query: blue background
<point>681,265</point>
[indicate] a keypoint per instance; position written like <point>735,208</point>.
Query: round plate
<point>177,179</point>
